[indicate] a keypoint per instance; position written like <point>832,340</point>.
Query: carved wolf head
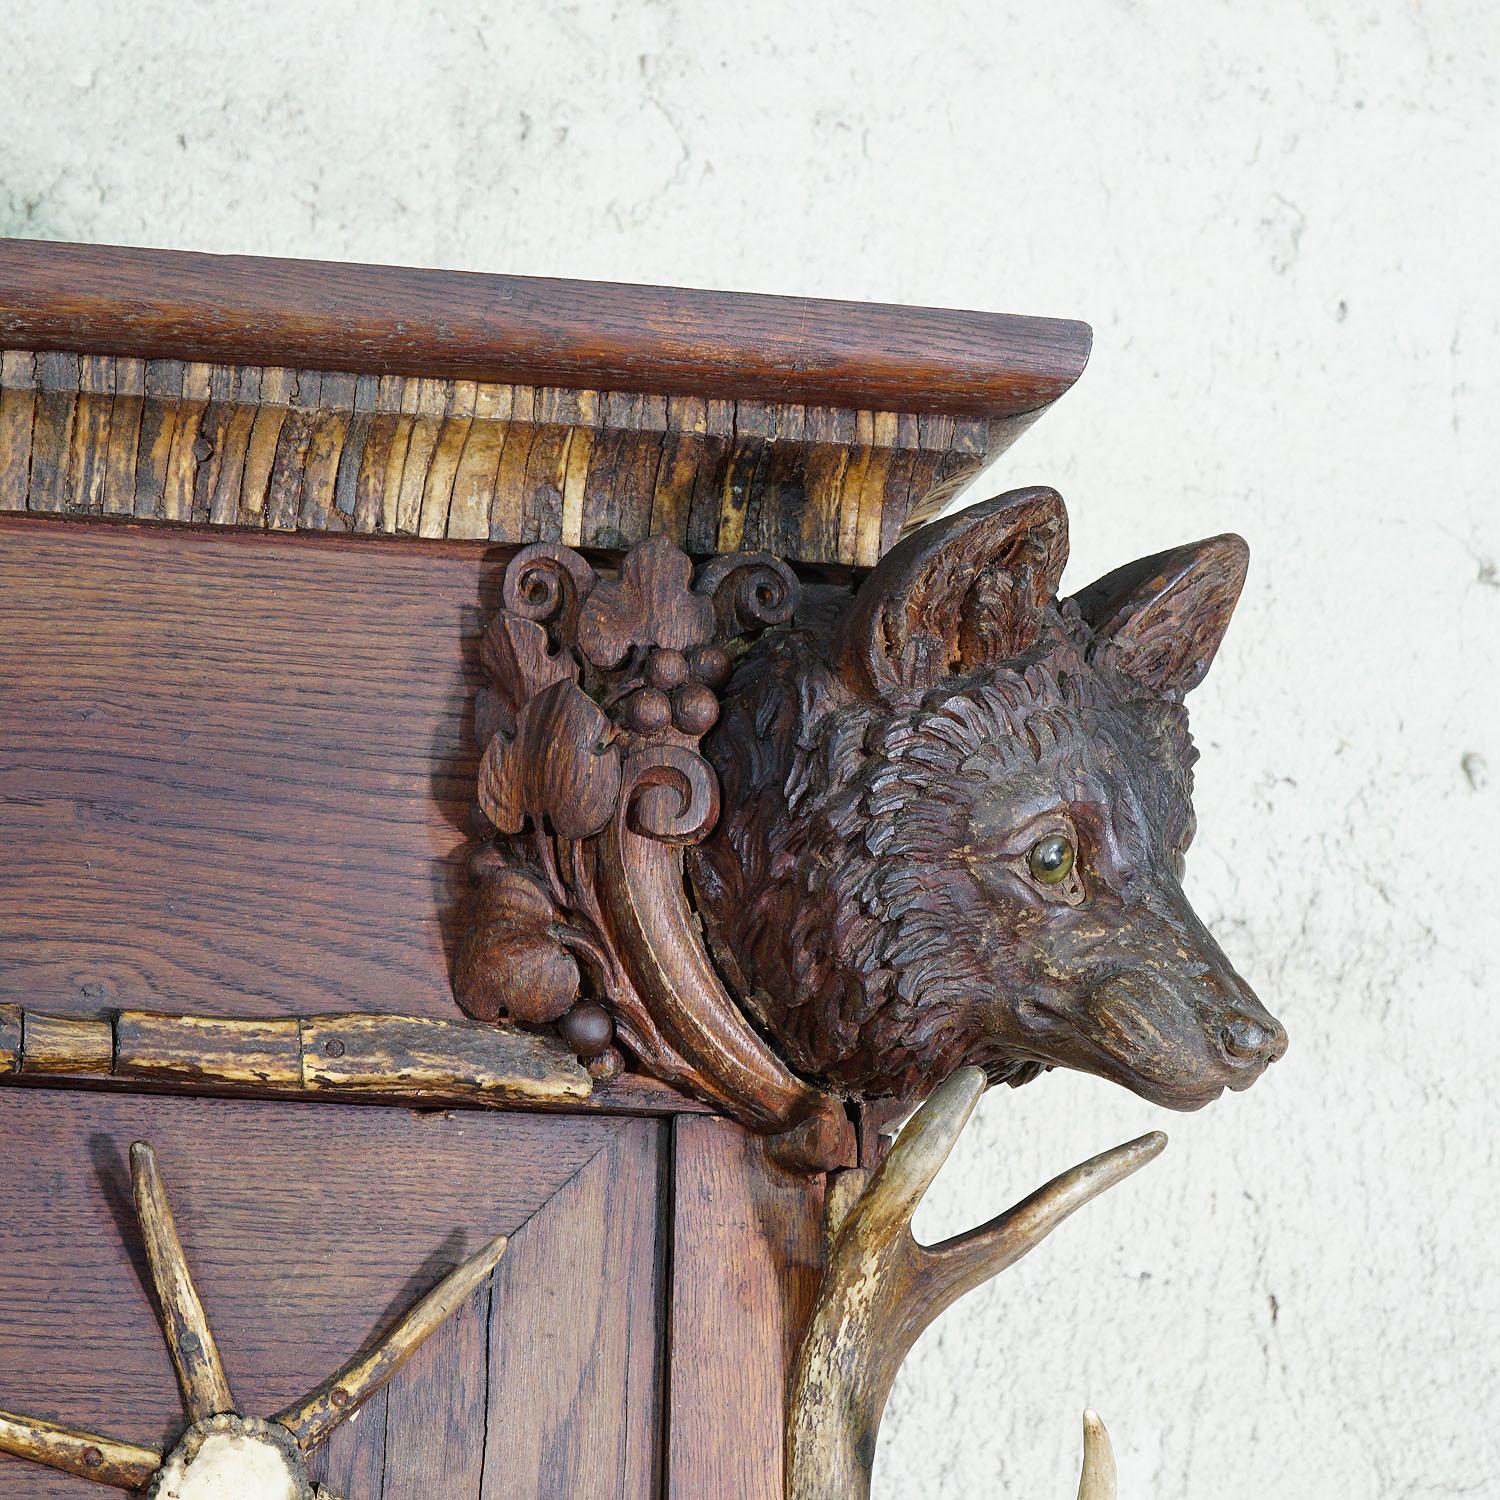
<point>955,817</point>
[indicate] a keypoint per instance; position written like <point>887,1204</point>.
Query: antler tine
<point>959,1264</point>
<point>190,1342</point>
<point>1098,1480</point>
<point>320,1411</point>
<point>127,1466</point>
<point>919,1151</point>
<point>881,1289</point>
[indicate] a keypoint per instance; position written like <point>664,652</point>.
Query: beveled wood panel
<point>314,450</point>
<point>575,1388</point>
<point>309,1228</point>
<point>237,771</point>
<point>242,309</point>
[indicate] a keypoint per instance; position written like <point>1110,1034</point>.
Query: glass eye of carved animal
<point>1051,859</point>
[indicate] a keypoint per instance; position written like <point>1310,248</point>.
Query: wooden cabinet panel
<point>238,781</point>
<point>309,1229</point>
<point>746,1255</point>
<point>576,1338</point>
<point>238,770</point>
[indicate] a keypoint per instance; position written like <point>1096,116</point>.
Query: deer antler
<point>184,1324</point>
<point>1098,1481</point>
<point>233,1453</point>
<point>881,1289</point>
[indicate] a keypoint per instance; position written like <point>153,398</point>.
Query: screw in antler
<point>223,1451</point>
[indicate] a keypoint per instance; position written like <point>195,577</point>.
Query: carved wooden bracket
<point>931,851</point>
<point>600,690</point>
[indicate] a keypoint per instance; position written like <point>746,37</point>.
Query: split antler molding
<point>224,1453</point>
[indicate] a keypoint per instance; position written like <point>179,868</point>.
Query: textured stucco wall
<point>1284,222</point>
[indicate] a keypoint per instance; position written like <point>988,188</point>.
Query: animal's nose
<point>1249,1040</point>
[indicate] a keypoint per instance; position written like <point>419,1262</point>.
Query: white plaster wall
<point>1284,222</point>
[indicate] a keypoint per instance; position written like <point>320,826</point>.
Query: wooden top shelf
<point>286,395</point>
<point>235,309</point>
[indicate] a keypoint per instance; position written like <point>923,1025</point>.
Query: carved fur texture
<point>889,770</point>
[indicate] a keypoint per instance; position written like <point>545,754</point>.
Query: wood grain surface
<point>746,1259</point>
<point>238,776</point>
<point>234,309</point>
<point>237,771</point>
<point>575,1386</point>
<point>309,1229</point>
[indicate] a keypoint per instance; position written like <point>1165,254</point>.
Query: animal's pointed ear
<point>969,588</point>
<point>1161,618</point>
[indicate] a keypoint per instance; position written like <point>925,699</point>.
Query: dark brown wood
<point>948,786</point>
<point>747,1255</point>
<point>434,1416</point>
<point>240,789</point>
<point>238,771</point>
<point>919,793</point>
<point>386,1202</point>
<point>235,309</point>
<point>600,689</point>
<point>577,1340</point>
<point>314,1416</point>
<point>287,835</point>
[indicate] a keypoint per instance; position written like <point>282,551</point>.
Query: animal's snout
<point>1252,1041</point>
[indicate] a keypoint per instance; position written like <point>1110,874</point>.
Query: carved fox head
<point>955,815</point>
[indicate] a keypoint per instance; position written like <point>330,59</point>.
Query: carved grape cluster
<point>681,690</point>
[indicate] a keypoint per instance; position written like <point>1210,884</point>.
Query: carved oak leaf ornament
<point>560,767</point>
<point>520,664</point>
<point>651,603</point>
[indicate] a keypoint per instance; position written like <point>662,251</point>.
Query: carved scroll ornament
<point>600,691</point>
